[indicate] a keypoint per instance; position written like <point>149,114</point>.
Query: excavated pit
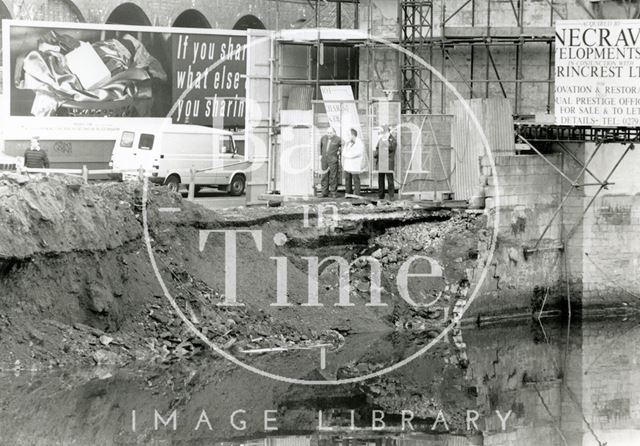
<point>73,263</point>
<point>80,298</point>
<point>87,335</point>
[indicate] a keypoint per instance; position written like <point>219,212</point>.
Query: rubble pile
<point>97,300</point>
<point>452,243</point>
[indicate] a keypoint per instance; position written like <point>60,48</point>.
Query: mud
<point>544,375</point>
<point>78,286</point>
<point>81,307</point>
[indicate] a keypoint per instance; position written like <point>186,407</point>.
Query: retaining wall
<point>590,256</point>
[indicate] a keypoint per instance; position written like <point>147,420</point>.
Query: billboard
<point>597,73</point>
<point>89,70</point>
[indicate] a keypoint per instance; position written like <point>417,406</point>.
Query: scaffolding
<point>417,33</point>
<point>423,97</point>
<point>558,136</point>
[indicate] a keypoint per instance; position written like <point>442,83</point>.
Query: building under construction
<point>438,72</point>
<point>531,218</point>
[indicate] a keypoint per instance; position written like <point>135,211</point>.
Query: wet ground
<point>96,354</point>
<point>215,199</point>
<point>552,383</point>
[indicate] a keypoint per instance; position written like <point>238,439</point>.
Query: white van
<point>167,153</point>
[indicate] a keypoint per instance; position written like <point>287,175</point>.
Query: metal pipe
<point>573,186</point>
<point>519,55</point>
<point>473,49</point>
<point>442,59</point>
<point>515,13</point>
<point>545,159</point>
<point>331,81</point>
<point>518,77</point>
<point>271,142</point>
<point>602,186</point>
<point>506,81</point>
<point>575,158</point>
<point>495,69</point>
<point>486,58</point>
<point>453,14</point>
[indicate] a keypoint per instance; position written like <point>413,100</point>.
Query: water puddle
<point>521,384</point>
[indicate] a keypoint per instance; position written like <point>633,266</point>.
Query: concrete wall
<point>516,368</point>
<point>598,265</point>
<point>579,382</point>
<point>611,230</point>
<point>610,401</point>
<point>522,193</point>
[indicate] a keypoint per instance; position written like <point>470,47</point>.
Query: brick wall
<point>219,13</point>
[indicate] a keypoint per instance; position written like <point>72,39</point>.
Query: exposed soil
<point>77,289</point>
<point>77,285</point>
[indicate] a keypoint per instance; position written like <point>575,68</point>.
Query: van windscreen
<point>146,141</point>
<point>127,139</point>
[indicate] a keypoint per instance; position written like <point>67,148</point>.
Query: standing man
<point>385,158</point>
<point>35,157</point>
<point>353,163</point>
<point>329,156</point>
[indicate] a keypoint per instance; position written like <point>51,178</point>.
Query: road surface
<point>215,199</point>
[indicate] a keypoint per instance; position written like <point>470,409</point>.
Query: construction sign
<point>597,73</point>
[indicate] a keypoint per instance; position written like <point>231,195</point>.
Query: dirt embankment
<point>77,285</point>
<point>77,288</point>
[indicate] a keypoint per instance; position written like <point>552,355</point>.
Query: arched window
<point>128,14</point>
<point>191,18</point>
<point>4,12</point>
<point>249,22</point>
<point>62,11</point>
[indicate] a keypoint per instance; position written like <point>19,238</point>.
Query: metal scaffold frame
<point>417,34</point>
<point>578,182</point>
<point>365,83</point>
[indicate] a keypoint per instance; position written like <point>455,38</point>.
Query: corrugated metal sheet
<point>498,125</point>
<point>258,116</point>
<point>494,116</point>
<point>288,441</point>
<point>433,154</point>
<point>440,440</point>
<point>296,117</point>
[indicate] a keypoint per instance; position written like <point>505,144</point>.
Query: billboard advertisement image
<point>84,71</point>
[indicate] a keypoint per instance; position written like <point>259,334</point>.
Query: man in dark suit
<point>385,162</point>
<point>330,154</point>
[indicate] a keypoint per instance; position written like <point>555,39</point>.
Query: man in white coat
<point>353,163</point>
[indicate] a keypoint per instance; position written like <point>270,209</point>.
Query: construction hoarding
<point>74,84</point>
